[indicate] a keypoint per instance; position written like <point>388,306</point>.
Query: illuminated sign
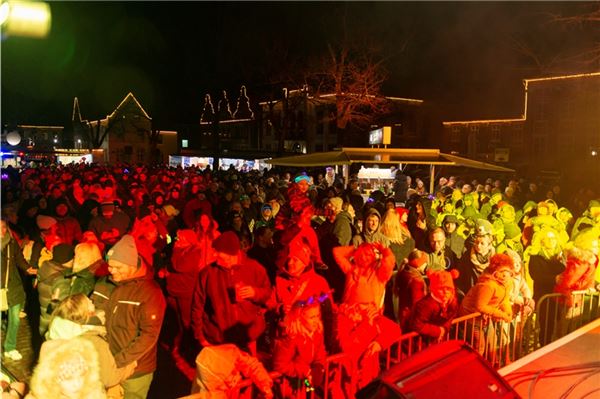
<point>383,135</point>
<point>376,136</point>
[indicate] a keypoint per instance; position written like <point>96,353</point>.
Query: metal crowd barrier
<point>557,315</point>
<point>498,342</point>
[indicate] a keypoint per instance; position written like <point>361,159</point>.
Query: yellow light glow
<point>581,75</point>
<point>25,18</point>
<point>4,12</point>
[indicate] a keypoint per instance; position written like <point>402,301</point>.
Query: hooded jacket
<point>219,369</point>
<point>429,316</point>
<point>578,275</point>
<point>110,374</point>
<point>134,312</point>
<point>370,236</point>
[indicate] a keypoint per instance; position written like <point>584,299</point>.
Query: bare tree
<point>93,134</point>
<point>588,18</point>
<point>571,41</point>
<point>353,70</point>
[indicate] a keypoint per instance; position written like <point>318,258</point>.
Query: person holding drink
<point>229,296</point>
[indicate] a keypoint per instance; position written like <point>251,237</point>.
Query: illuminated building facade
<point>307,123</point>
<point>126,135</point>
<point>559,129</point>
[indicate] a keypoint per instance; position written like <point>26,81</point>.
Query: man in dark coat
<point>134,307</point>
<point>228,297</point>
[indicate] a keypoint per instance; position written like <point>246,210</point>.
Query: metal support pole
<point>431,178</point>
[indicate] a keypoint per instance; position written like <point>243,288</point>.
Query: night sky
<point>459,57</point>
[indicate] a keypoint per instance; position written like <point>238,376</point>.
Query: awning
<point>413,156</point>
<point>314,159</point>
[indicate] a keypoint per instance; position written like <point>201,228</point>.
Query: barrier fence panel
<point>558,315</point>
<point>499,342</point>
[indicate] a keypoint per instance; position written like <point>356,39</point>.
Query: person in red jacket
<point>300,353</point>
<point>433,314</point>
<point>363,331</point>
<point>297,280</point>
<point>410,285</point>
<point>229,296</point>
<point>181,280</point>
<point>67,227</point>
<point>578,276</point>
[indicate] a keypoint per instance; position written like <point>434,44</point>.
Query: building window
<point>517,138</point>
<point>184,143</point>
<point>141,154</point>
<point>539,145</point>
<point>474,128</point>
<point>455,134</point>
<point>495,134</point>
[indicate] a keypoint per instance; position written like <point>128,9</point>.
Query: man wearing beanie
<point>433,314</point>
<point>134,307</point>
<point>228,297</point>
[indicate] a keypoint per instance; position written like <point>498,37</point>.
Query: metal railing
<point>498,342</point>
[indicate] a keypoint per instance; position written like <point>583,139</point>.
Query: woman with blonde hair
<point>401,242</point>
<point>88,265</point>
<point>67,369</point>
<point>75,318</point>
<point>300,354</point>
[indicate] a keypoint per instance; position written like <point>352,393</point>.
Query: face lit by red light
<point>443,293</point>
<point>311,318</point>
<point>303,186</point>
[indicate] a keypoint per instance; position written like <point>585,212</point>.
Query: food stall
<point>384,157</point>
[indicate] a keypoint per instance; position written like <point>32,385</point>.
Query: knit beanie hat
<point>337,203</point>
<point>442,279</point>
<point>228,243</point>
<point>124,251</point>
<point>62,253</point>
<point>417,258</point>
<point>298,249</point>
<point>499,262</point>
<point>45,222</point>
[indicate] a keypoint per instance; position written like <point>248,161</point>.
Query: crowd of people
<point>267,271</point>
